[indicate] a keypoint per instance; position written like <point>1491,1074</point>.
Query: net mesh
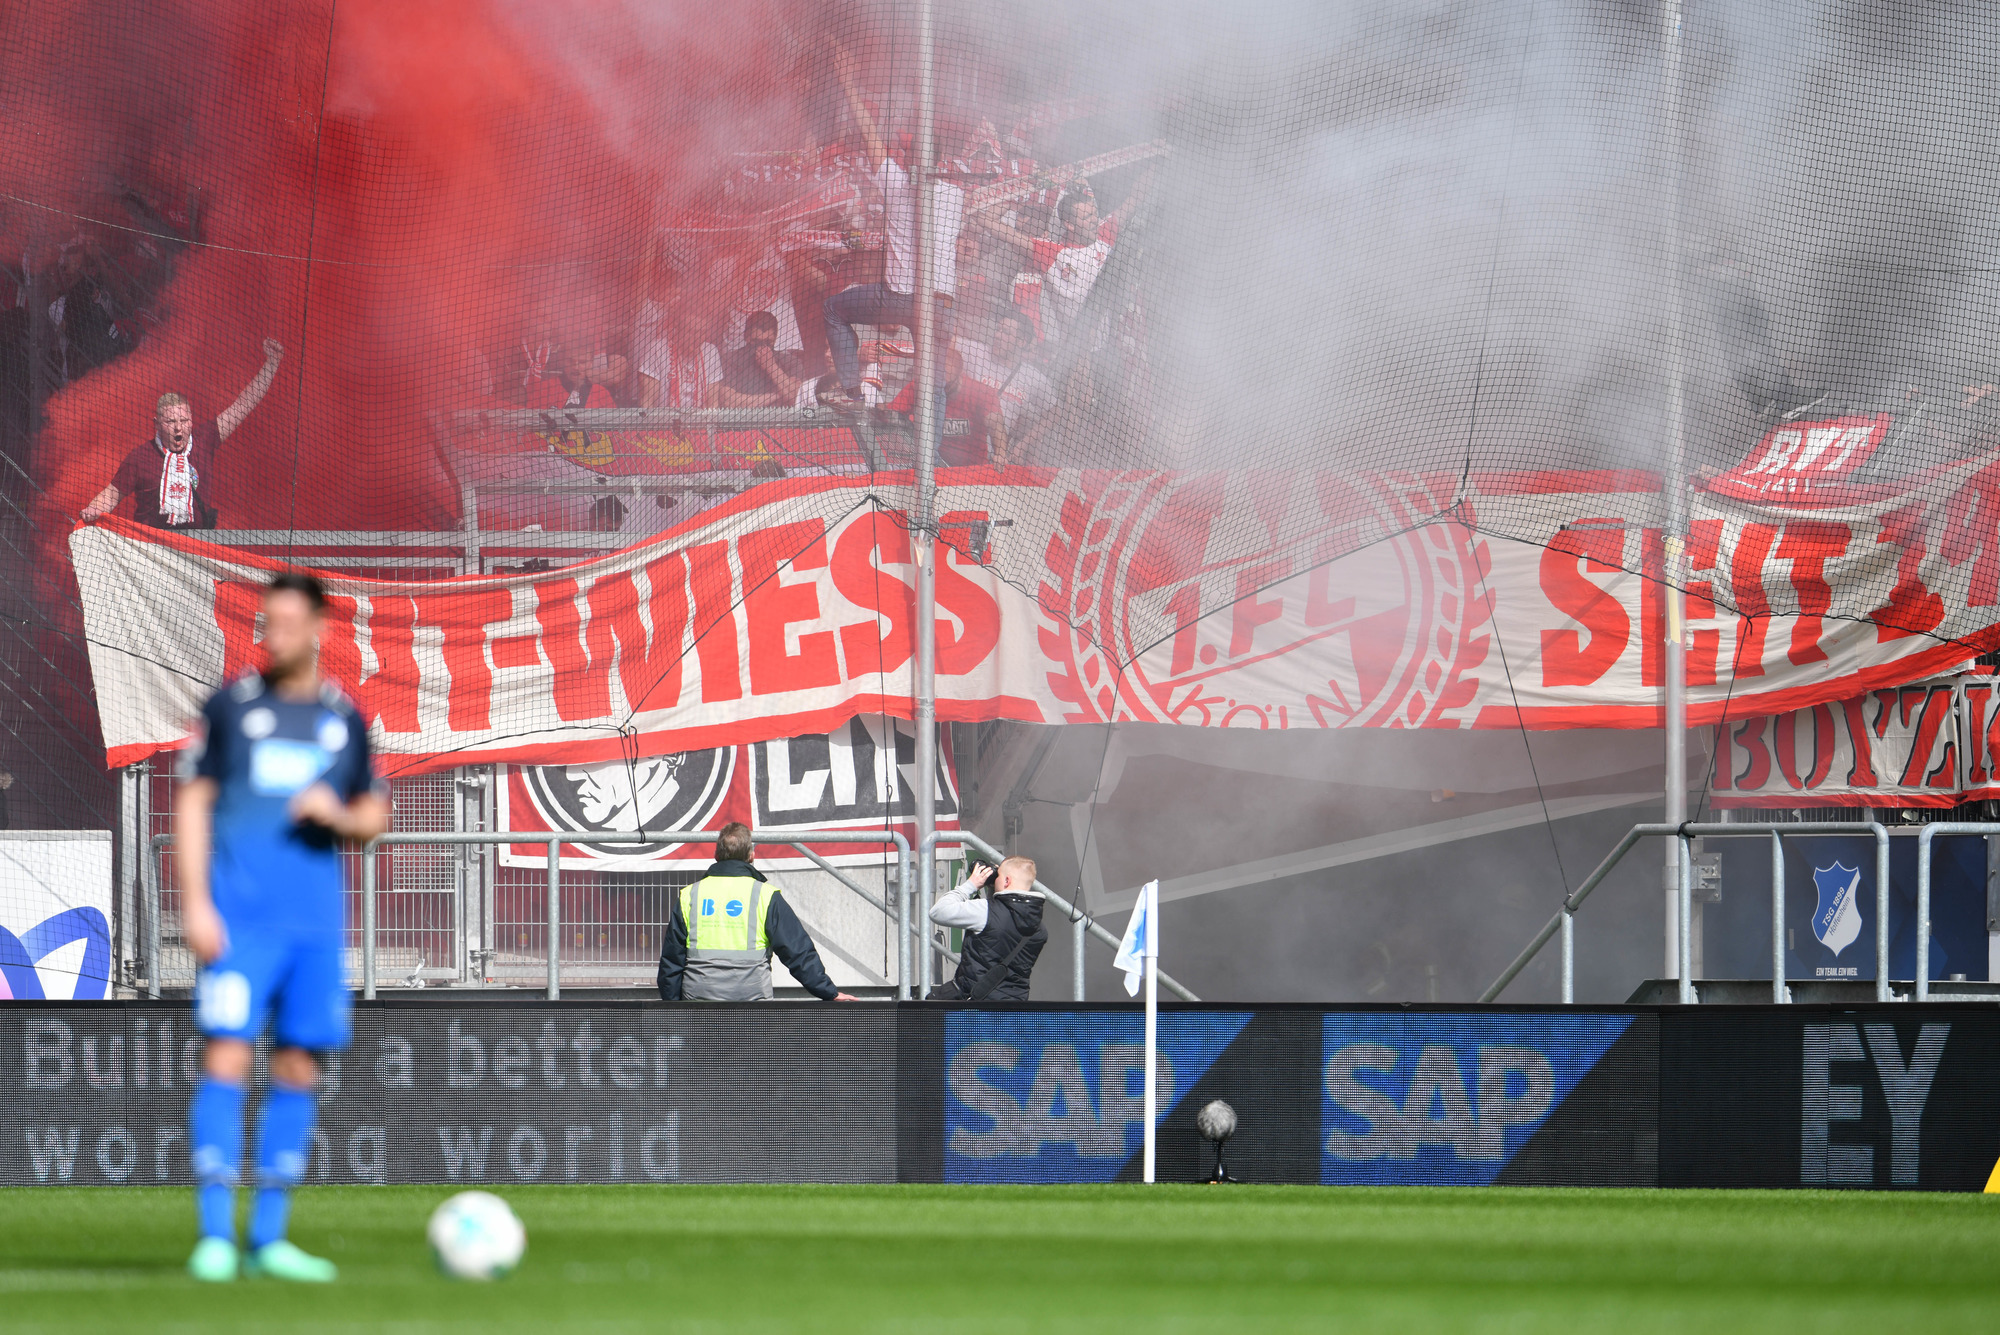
<point>1393,258</point>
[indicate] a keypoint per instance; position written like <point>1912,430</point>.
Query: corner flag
<point>1139,953</point>
<point>1142,938</point>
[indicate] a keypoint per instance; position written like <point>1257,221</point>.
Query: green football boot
<point>283,1260</point>
<point>214,1261</point>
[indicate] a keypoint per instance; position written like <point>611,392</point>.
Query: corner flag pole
<point>1150,896</point>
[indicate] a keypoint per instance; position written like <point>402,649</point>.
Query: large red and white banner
<point>1931,743</point>
<point>1205,599</point>
<point>859,777</point>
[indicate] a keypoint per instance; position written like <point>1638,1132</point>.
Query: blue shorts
<point>299,984</point>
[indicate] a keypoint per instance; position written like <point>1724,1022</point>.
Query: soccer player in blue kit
<point>278,774</point>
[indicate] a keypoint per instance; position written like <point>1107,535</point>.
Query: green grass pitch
<point>1042,1259</point>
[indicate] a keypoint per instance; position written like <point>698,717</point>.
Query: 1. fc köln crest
<point>1837,918</point>
<point>1140,570</point>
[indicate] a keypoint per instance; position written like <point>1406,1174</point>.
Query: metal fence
<point>432,901</point>
<point>445,911</point>
<point>1929,833</point>
<point>558,928</point>
<point>1684,834</point>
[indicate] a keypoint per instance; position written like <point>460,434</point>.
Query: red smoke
<point>449,169</point>
<point>390,188</point>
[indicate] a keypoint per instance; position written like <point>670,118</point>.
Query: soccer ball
<point>475,1235</point>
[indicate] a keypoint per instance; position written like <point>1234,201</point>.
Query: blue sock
<point>215,1131</point>
<point>284,1140</point>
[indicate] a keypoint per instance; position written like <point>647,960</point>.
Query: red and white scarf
<point>687,382</point>
<point>177,483</point>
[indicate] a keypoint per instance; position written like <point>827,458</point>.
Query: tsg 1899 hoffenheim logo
<point>1837,919</point>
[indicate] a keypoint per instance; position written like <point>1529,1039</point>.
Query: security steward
<point>1003,934</point>
<point>723,930</point>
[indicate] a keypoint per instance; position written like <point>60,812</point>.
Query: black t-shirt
<point>741,373</point>
<point>139,477</point>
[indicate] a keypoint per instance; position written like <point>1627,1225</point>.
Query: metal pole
<point>923,684</point>
<point>1152,1025</point>
<point>555,917</point>
<point>489,862</point>
<point>1570,905</point>
<point>1685,973</point>
<point>903,924</point>
<point>467,857</point>
<point>468,501</point>
<point>1923,978</point>
<point>1674,661</point>
<point>1077,928</point>
<point>1569,957</point>
<point>368,921</point>
<point>927,956</point>
<point>867,896</point>
<point>132,850</point>
<point>149,893</point>
<point>1882,992</point>
<point>1780,994</point>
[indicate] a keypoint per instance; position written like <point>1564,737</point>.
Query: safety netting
<point>1305,366</point>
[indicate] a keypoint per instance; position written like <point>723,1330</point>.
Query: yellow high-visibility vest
<point>728,941</point>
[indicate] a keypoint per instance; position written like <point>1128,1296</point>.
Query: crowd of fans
<point>74,301</point>
<point>792,286</point>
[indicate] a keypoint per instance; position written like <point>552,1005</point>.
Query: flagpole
<point>1152,894</point>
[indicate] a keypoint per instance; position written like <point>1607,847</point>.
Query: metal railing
<point>554,841</point>
<point>1924,837</point>
<point>1080,923</point>
<point>1684,834</point>
<point>1083,925</point>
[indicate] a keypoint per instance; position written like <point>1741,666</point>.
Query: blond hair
<point>1022,866</point>
<point>171,400</point>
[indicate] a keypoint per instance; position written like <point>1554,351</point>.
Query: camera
<point>972,866</point>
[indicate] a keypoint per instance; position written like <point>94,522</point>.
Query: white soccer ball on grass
<point>476,1235</point>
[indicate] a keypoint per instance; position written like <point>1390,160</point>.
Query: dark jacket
<point>139,476</point>
<point>782,928</point>
<point>994,963</point>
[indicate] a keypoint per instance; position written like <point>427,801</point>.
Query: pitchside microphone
<point>1217,1123</point>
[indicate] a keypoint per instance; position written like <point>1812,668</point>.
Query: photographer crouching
<point>1003,933</point>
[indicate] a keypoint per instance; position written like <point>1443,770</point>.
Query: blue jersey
<point>271,873</point>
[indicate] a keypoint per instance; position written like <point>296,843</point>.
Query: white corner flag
<point>1140,952</point>
<point>1142,938</point>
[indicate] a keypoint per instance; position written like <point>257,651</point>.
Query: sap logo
<point>1512,1086</point>
<point>1059,1108</point>
<point>1906,1087</point>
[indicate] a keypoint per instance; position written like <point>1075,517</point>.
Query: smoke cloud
<point>1411,234</point>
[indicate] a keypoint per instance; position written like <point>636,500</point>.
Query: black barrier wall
<point>522,1091</point>
<point>491,1092</point>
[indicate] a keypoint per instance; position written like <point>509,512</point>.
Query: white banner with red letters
<point>1931,743</point>
<point>1204,599</point>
